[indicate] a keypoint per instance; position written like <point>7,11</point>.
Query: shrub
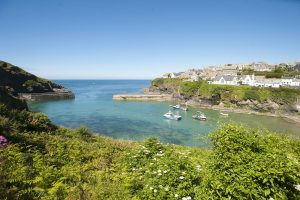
<point>249,164</point>
<point>157,171</point>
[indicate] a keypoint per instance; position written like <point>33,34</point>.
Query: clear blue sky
<point>121,39</point>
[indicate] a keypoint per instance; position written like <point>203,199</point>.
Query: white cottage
<point>247,80</point>
<point>286,81</point>
<point>225,80</point>
<point>270,82</point>
<point>295,82</point>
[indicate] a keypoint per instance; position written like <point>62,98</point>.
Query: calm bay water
<point>94,108</point>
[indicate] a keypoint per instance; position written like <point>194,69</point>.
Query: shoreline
<point>162,97</point>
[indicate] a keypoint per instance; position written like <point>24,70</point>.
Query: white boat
<point>224,114</point>
<point>200,116</point>
<point>170,115</point>
<point>176,106</point>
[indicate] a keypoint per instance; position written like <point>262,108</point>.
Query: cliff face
<point>16,80</point>
<point>17,85</point>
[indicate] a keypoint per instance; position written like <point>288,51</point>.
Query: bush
<point>157,171</point>
<point>249,164</point>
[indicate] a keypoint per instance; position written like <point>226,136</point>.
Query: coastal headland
<point>18,86</point>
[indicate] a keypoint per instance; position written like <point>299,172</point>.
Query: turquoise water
<point>94,108</point>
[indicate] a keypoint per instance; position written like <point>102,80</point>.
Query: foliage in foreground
<point>252,164</point>
<point>43,161</point>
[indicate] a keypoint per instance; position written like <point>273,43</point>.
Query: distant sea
<point>94,108</point>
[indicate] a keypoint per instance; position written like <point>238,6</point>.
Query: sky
<point>143,39</point>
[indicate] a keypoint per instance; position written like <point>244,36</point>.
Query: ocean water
<point>93,107</point>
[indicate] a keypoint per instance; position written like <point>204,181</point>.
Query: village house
<point>286,81</point>
<point>225,80</point>
<point>270,82</point>
<point>295,82</point>
<point>247,80</point>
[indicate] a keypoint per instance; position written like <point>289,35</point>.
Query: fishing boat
<point>200,116</point>
<point>172,116</point>
<point>175,106</point>
<point>178,106</point>
<point>224,114</point>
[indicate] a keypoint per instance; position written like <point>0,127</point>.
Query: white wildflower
<point>188,198</point>
<point>166,189</point>
<point>151,188</point>
<point>184,198</point>
<point>159,174</point>
<point>297,187</point>
<point>155,190</point>
<point>165,171</point>
<point>159,170</point>
<point>176,195</point>
<point>154,159</point>
<point>181,177</point>
<point>183,173</point>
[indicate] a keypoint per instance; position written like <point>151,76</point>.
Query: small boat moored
<point>200,116</point>
<point>178,106</point>
<point>175,106</point>
<point>172,116</point>
<point>224,114</point>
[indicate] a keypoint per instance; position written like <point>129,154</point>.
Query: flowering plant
<point>3,141</point>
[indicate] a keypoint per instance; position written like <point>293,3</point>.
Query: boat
<point>224,114</point>
<point>172,116</point>
<point>200,116</point>
<point>176,106</point>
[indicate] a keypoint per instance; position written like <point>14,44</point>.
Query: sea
<point>94,108</point>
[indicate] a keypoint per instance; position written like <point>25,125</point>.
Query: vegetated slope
<point>43,161</point>
<point>16,80</point>
<point>11,101</point>
<point>259,99</point>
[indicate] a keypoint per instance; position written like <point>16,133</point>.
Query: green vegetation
<point>43,161</point>
<point>278,72</point>
<point>19,81</point>
<point>228,94</point>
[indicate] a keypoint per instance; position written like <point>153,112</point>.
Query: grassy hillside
<point>16,80</point>
<point>227,94</point>
<point>43,161</point>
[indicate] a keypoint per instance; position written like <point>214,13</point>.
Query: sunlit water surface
<point>94,108</point>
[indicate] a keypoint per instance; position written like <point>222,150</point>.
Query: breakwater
<point>142,97</point>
